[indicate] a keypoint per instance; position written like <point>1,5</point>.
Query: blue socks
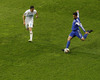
<point>68,43</point>
<point>85,36</point>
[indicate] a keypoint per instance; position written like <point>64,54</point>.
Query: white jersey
<point>29,16</point>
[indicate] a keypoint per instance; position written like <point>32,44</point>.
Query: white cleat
<point>29,40</point>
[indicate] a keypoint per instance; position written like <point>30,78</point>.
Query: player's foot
<point>89,31</point>
<point>29,40</point>
<point>66,50</point>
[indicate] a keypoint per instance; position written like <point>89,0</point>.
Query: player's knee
<point>68,39</point>
<point>30,29</point>
<point>83,39</point>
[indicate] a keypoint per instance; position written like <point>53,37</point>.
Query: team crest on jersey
<point>29,15</point>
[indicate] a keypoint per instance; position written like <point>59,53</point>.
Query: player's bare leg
<point>66,50</point>
<point>31,34</point>
<point>86,34</point>
<point>68,41</point>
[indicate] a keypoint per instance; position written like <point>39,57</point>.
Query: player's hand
<point>77,11</point>
<point>36,16</point>
<point>86,32</point>
<point>24,23</point>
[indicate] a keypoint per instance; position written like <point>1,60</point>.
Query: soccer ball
<point>66,50</point>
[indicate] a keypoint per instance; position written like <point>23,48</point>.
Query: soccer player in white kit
<point>28,20</point>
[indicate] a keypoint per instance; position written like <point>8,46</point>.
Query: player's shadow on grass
<point>87,51</point>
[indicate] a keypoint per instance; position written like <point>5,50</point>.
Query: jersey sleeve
<point>78,14</point>
<point>35,11</point>
<point>26,12</point>
<point>79,24</point>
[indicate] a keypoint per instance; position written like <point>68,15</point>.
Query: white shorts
<point>29,25</point>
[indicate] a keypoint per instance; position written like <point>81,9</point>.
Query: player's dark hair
<point>31,7</point>
<point>75,13</point>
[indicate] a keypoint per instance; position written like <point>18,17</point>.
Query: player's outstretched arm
<point>79,24</point>
<point>24,20</point>
<point>82,27</point>
<point>77,13</point>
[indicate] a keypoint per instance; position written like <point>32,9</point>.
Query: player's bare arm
<point>77,11</point>
<point>86,32</point>
<point>24,20</point>
<point>36,15</point>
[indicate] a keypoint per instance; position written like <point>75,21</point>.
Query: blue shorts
<point>76,33</point>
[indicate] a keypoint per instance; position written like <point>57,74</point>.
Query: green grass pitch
<point>43,59</point>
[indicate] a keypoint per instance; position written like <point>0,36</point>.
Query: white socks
<point>31,35</point>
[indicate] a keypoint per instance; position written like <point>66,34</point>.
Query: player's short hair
<point>75,13</point>
<point>31,7</point>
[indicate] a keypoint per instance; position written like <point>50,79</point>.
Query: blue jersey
<point>76,24</point>
<point>75,28</point>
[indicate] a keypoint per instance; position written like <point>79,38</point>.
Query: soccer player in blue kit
<point>76,31</point>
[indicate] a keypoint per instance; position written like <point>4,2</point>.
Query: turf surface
<point>43,59</point>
